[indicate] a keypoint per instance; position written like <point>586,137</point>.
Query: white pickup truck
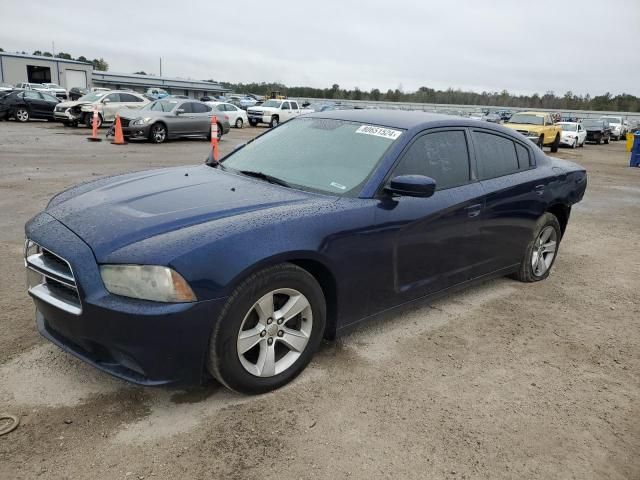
<point>274,112</point>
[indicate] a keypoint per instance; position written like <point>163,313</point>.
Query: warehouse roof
<point>41,57</point>
<point>154,81</point>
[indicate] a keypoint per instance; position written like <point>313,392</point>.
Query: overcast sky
<point>587,46</point>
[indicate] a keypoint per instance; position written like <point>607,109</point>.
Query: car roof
<point>404,119</point>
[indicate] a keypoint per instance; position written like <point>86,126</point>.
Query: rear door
<point>515,195</point>
<point>285,112</point>
<point>128,100</point>
<point>295,109</point>
<point>202,118</point>
<point>435,239</point>
<point>36,103</point>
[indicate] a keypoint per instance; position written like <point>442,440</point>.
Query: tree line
<point>569,101</point>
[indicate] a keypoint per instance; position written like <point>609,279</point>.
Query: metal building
<point>17,68</point>
<point>140,83</point>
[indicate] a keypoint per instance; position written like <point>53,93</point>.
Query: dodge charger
<point>237,269</point>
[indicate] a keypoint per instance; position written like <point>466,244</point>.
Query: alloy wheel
<point>158,133</point>
<point>544,251</point>
<point>275,332</point>
<point>22,115</point>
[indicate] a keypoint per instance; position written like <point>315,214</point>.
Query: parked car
<point>617,125</point>
<point>234,115</point>
<point>538,127</point>
<point>156,93</point>
<point>171,118</point>
<point>38,87</point>
<point>273,112</point>
<point>241,267</point>
<point>493,117</point>
<point>24,105</point>
<point>56,90</point>
<point>573,134</point>
<point>76,92</point>
<point>6,87</point>
<point>242,101</point>
<point>319,107</point>
<point>598,131</point>
<point>107,102</point>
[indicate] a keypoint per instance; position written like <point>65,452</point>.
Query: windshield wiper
<point>264,176</point>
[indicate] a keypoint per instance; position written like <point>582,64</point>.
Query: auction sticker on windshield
<point>379,131</point>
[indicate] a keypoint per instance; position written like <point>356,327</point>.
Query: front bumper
<point>148,343</point>
<point>566,141</point>
<point>136,131</point>
<point>259,118</point>
<point>67,115</point>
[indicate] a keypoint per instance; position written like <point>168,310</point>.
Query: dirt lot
<point>506,380</point>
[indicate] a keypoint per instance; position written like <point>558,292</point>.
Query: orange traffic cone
<point>214,137</point>
<point>94,125</point>
<point>118,138</point>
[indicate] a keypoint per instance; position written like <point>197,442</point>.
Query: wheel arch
<point>562,212</point>
<point>317,267</point>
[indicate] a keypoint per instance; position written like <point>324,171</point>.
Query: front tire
<point>541,142</point>
<point>253,123</point>
<point>555,144</point>
<point>606,141</point>
<point>88,120</point>
<point>22,114</point>
<point>542,250</point>
<point>268,330</point>
<point>575,144</point>
<point>158,133</point>
<point>275,121</point>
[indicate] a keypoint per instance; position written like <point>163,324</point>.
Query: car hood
<point>72,104</point>
<point>525,126</point>
<point>114,212</point>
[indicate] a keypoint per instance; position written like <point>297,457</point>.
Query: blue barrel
<point>635,151</point>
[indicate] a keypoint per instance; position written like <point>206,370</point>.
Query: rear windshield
<point>527,119</point>
<point>569,127</point>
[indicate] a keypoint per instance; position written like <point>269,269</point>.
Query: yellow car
<point>539,127</point>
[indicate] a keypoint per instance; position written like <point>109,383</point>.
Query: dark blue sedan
<point>238,269</point>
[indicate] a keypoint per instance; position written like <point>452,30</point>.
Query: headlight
<point>141,121</point>
<point>147,282</point>
<point>533,134</point>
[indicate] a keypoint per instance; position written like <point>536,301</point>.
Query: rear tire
<point>540,245</point>
<point>258,304</point>
<point>239,123</point>
<point>219,132</point>
<point>556,143</point>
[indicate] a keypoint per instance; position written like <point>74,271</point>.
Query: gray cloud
<point>525,47</point>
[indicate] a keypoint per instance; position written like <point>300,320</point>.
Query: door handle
<point>474,210</point>
<point>539,189</point>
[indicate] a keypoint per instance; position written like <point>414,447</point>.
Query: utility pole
<point>160,66</point>
<point>53,48</point>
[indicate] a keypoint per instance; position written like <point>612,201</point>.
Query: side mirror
<point>411,186</point>
<point>179,111</point>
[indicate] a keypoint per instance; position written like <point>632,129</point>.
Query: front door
<point>110,105</point>
<point>434,242</point>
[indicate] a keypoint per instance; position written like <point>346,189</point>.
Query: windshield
<point>92,97</point>
<point>161,105</point>
<point>611,119</point>
<point>569,127</point>
<point>527,119</point>
<point>593,123</point>
<point>272,103</point>
<point>317,154</point>
<point>52,85</point>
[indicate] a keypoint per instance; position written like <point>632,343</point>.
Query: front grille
<point>50,278</point>
<point>254,113</point>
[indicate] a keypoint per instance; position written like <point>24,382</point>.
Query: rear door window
<point>443,156</point>
<point>200,107</point>
<point>187,107</point>
<point>113,97</point>
<point>524,161</point>
<point>127,97</point>
<point>496,155</point>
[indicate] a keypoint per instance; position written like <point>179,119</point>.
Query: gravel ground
<point>505,380</point>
